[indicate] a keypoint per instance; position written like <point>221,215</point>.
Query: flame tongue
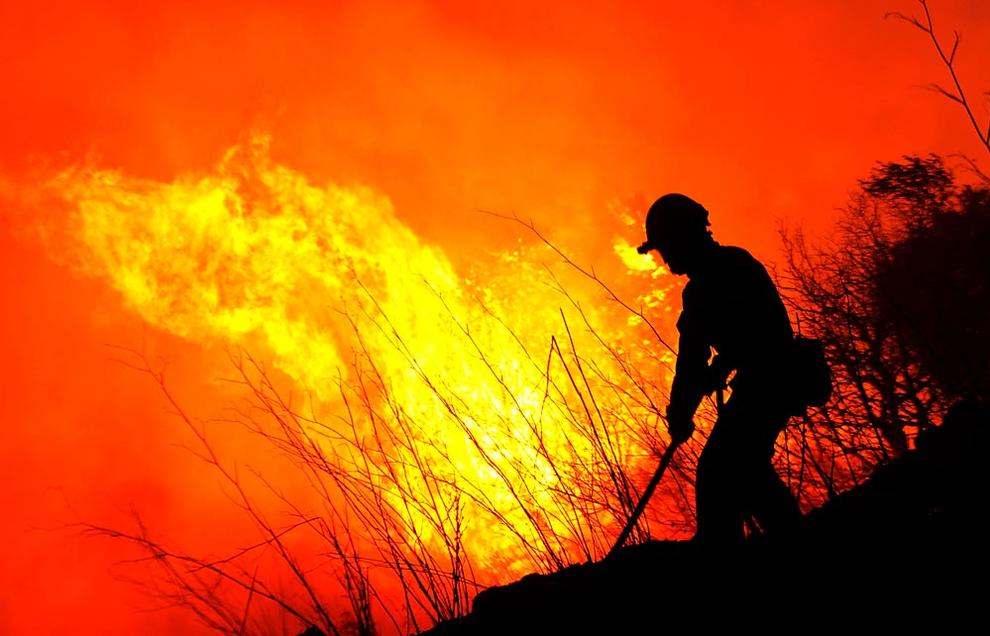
<point>254,250</point>
<point>328,284</point>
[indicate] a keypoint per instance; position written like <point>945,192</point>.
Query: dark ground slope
<point>907,548</point>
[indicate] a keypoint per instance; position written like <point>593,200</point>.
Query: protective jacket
<point>730,305</point>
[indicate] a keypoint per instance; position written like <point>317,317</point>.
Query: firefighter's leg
<point>718,495</point>
<point>771,501</point>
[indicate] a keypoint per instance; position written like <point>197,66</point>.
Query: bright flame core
<point>332,287</point>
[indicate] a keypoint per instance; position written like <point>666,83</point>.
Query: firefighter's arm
<point>690,377</point>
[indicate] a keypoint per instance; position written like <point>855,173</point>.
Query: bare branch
<point>959,96</point>
<point>938,89</point>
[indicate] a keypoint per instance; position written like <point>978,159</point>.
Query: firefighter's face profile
<point>673,253</point>
<point>675,258</point>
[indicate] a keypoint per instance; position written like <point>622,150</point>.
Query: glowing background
<point>762,113</point>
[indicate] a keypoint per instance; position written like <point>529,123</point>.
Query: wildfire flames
<point>486,389</point>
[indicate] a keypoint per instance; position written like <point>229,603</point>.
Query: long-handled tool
<point>657,476</point>
<point>645,499</point>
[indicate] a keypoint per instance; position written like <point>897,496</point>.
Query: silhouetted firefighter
<point>731,306</point>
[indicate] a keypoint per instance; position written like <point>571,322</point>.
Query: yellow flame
<point>632,259</point>
<point>256,255</point>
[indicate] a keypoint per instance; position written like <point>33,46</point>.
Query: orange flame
<point>319,279</point>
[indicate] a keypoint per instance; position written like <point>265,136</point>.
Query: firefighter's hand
<point>680,429</point>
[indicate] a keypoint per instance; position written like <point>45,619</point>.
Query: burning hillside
<point>458,428</point>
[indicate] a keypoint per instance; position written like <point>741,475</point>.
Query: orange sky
<point>763,111</point>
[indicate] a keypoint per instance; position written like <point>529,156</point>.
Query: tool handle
<point>644,499</point>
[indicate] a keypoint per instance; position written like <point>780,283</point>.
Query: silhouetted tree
<point>933,288</point>
<point>899,296</point>
<point>898,293</point>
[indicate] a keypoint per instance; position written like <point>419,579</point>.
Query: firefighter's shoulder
<point>738,262</point>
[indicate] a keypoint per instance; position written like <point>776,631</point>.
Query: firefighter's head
<point>677,227</point>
